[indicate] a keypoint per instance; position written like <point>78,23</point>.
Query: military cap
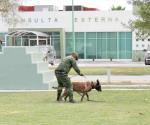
<point>75,55</point>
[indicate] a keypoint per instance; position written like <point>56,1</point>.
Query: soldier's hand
<point>81,74</point>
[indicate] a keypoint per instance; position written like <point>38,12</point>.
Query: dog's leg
<point>87,96</point>
<point>79,93</point>
<point>82,97</point>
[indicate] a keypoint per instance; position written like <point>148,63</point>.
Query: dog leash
<point>85,77</point>
<point>82,78</point>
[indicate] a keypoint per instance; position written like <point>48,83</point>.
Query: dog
<point>83,88</point>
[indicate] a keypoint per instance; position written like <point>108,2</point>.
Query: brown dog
<point>83,88</point>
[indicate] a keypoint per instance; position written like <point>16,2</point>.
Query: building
<point>79,8</point>
<point>98,35</point>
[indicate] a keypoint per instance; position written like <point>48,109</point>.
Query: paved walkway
<point>115,79</point>
<point>90,63</point>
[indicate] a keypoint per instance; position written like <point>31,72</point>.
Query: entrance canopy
<point>26,33</point>
<point>27,38</point>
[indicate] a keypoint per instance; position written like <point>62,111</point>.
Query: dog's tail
<point>54,87</point>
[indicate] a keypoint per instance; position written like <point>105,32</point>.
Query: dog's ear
<point>98,84</point>
<point>98,81</point>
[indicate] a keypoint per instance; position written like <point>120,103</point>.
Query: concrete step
<point>37,54</point>
<point>52,83</point>
<point>48,76</point>
<point>42,67</point>
<point>30,50</point>
<point>17,71</point>
<point>37,57</point>
<point>36,49</point>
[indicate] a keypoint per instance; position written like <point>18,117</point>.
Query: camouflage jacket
<point>66,65</point>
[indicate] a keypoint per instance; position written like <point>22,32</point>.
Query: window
<point>100,45</point>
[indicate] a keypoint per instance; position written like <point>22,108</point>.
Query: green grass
<point>108,108</point>
<point>115,71</point>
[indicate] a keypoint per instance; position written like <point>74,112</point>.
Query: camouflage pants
<point>0,48</point>
<point>64,81</point>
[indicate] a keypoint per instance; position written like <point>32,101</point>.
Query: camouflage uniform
<point>0,45</point>
<point>50,56</point>
<point>61,73</point>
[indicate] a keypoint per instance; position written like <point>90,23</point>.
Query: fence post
<point>108,75</point>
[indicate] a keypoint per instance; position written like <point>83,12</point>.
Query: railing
<point>109,71</point>
<point>124,80</point>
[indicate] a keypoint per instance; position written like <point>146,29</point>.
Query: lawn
<point>114,71</point>
<point>107,108</point>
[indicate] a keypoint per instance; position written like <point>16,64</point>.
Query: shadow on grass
<point>77,102</point>
<point>98,101</point>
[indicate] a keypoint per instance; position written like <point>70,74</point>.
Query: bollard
<point>108,75</point>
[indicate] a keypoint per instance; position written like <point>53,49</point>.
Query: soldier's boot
<point>59,91</point>
<point>70,94</point>
<point>72,101</point>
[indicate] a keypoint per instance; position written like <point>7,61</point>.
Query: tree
<point>117,8</point>
<point>142,21</point>
<point>8,11</point>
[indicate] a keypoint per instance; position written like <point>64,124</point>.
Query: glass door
<point>33,42</point>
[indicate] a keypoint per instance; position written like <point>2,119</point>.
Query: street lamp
<point>73,34</point>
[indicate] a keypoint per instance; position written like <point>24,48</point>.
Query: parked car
<point>147,58</point>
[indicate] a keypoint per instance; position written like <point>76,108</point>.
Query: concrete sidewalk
<point>109,81</point>
<point>101,63</point>
<point>109,78</point>
<point>116,79</point>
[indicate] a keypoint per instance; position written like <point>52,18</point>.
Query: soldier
<point>61,73</point>
<point>50,56</point>
<point>1,45</point>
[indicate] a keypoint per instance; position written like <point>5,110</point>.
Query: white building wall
<point>3,26</point>
<point>140,44</point>
<point>84,21</point>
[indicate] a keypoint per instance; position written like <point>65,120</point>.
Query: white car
<point>147,58</point>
